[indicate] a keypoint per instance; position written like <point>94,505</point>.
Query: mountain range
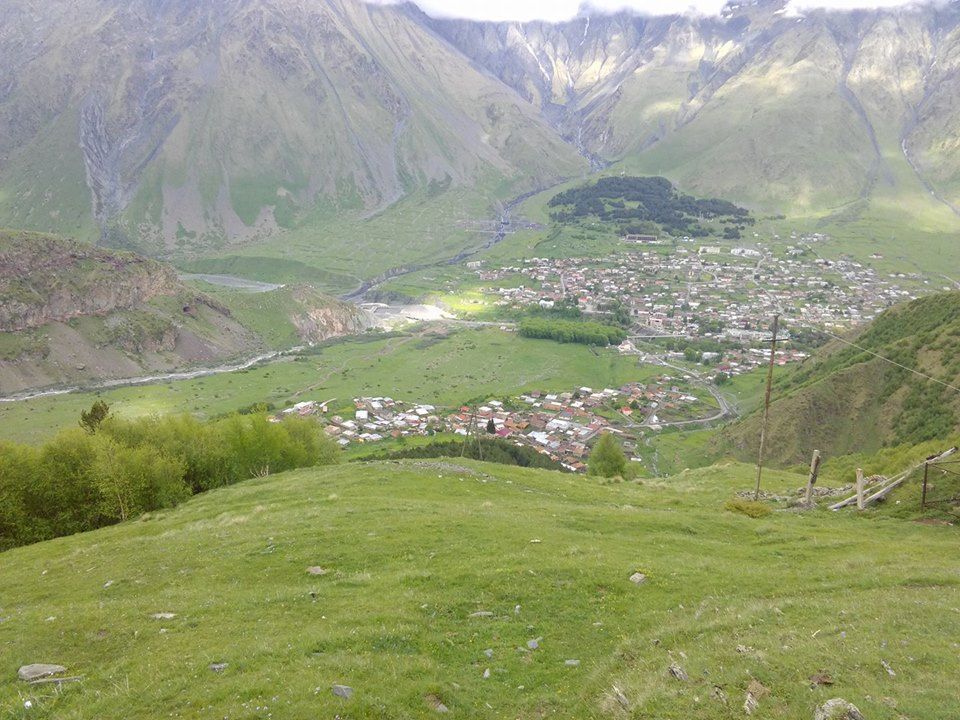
<point>186,127</point>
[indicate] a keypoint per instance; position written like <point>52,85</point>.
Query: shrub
<point>607,458</point>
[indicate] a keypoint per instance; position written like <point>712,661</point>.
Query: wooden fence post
<point>860,504</point>
<point>814,471</point>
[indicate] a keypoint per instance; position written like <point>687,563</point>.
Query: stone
<point>164,616</point>
<point>890,670</point>
<point>572,663</point>
<point>219,666</point>
<point>488,652</point>
<point>620,697</point>
<point>343,691</point>
<point>638,578</point>
<point>534,644</point>
<point>678,672</point>
<point>29,673</point>
<point>481,614</point>
<point>486,674</point>
<point>837,709</point>
<point>821,678</point>
<point>316,570</point>
<point>718,694</point>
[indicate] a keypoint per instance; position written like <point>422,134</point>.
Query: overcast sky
<point>556,10</point>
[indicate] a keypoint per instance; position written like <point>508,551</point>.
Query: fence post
<point>860,504</point>
<point>923,497</point>
<point>814,471</point>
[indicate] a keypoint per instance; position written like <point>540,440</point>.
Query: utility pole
<point>766,404</point>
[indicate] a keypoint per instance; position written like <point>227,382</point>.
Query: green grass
<point>413,548</point>
<point>444,370</point>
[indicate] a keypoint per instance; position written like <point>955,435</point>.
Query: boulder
<point>837,709</point>
<point>343,691</point>
<point>29,673</point>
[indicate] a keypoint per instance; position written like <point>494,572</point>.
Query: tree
<point>607,458</point>
<point>491,427</point>
<point>91,419</point>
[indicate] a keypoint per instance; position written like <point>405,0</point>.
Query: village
<point>559,425</point>
<point>727,295</point>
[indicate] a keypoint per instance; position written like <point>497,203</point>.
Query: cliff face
<point>46,279</point>
<point>317,317</point>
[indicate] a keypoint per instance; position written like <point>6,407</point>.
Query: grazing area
<point>389,589</point>
<point>440,367</point>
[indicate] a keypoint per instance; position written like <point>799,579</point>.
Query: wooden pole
<point>923,497</point>
<point>814,471</point>
<point>860,503</point>
<point>766,405</point>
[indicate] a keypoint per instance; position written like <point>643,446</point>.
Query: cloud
<point>559,10</point>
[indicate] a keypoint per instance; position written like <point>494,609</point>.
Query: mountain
<point>800,114</point>
<point>321,133</point>
<point>177,126</point>
<point>428,573</point>
<point>845,399</point>
<point>74,313</point>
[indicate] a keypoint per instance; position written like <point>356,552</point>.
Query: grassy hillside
<point>412,550</point>
<point>845,400</point>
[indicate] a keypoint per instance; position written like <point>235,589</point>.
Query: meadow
<point>443,368</point>
<point>494,591</point>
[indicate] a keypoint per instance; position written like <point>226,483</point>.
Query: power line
<point>886,359</point>
<point>780,309</point>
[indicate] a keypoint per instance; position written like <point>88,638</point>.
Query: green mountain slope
<point>845,400</point>
<point>412,550</point>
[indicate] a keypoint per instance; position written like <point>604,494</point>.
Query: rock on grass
<point>36,671</point>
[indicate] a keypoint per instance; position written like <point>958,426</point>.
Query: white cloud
<point>559,10</point>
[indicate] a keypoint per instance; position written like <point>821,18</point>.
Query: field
<point>444,369</point>
<point>412,550</point>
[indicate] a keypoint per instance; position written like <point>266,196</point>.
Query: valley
<point>359,360</point>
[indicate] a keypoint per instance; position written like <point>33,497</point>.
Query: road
<point>727,409</point>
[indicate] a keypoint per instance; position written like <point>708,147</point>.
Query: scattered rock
<point>678,672</point>
<point>755,693</point>
<point>219,666</point>
<point>534,644</point>
<point>619,696</point>
<point>638,578</point>
<point>164,616</point>
<point>108,583</point>
<point>343,691</point>
<point>488,652</point>
<point>718,694</point>
<point>821,678</point>
<point>481,613</point>
<point>317,570</point>
<point>29,673</point>
<point>486,674</point>
<point>886,666</point>
<point>837,709</point>
<point>572,663</point>
<point>436,703</point>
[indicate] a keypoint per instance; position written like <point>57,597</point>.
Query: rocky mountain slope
<point>797,113</point>
<point>174,125</point>
<point>190,127</point>
<point>74,313</point>
<point>846,400</point>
